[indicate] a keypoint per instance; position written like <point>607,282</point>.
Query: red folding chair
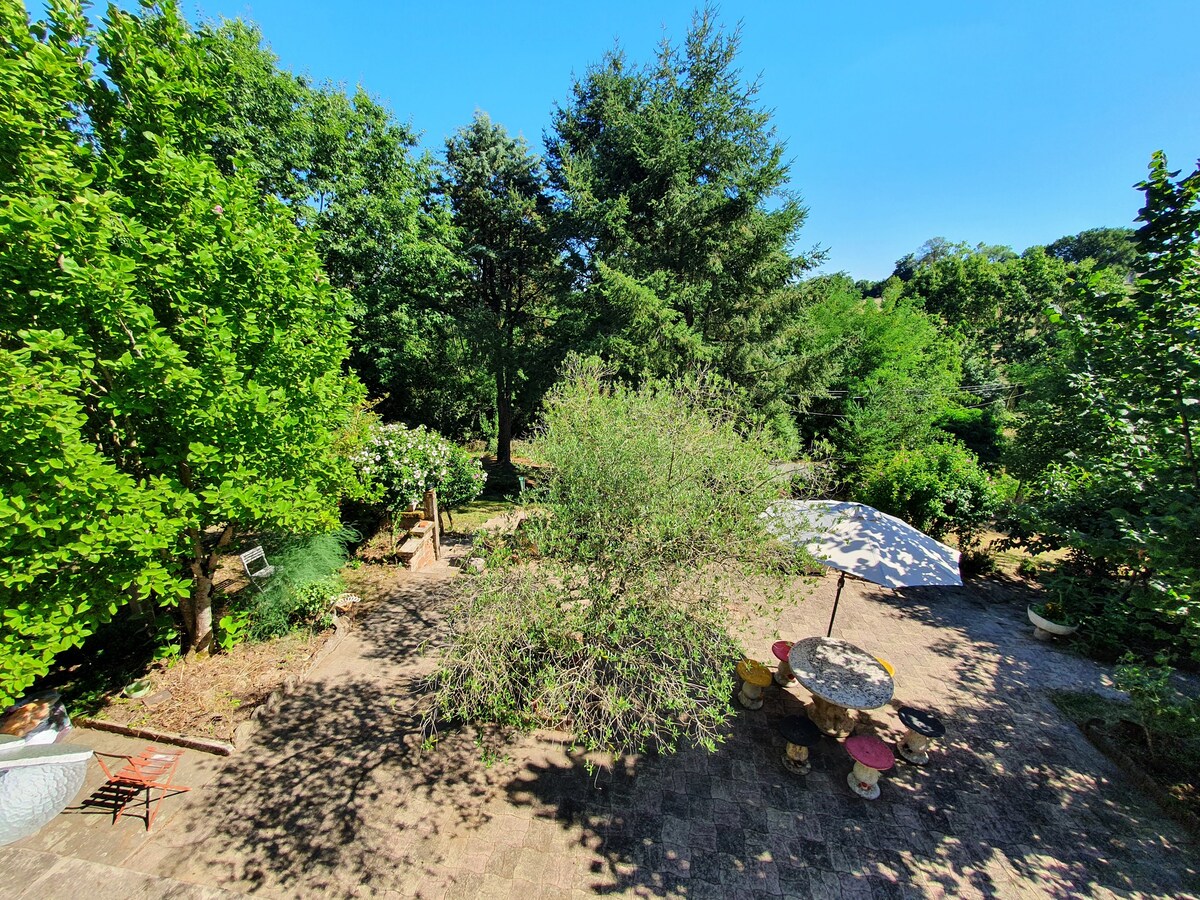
<point>150,770</point>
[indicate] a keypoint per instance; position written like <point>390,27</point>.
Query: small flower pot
<point>136,689</point>
<point>1044,629</point>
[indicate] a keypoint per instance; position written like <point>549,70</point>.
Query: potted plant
<point>1050,619</point>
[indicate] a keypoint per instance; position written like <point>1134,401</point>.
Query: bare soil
<point>209,696</point>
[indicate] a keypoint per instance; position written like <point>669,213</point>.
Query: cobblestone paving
<point>338,797</point>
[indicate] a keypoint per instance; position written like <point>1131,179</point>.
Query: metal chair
<point>150,770</point>
<point>260,574</point>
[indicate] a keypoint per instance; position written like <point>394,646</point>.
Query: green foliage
<point>1028,567</point>
<point>401,464</point>
<point>976,561</point>
<point>634,675</point>
<point>676,186</point>
<point>666,465</point>
<point>463,481</point>
<point>350,174</point>
<point>618,632</point>
<point>994,299</point>
<point>499,194</point>
<point>1106,248</point>
<point>868,375</point>
<point>232,629</point>
<point>176,354</point>
<point>938,488</point>
<point>384,236</point>
<point>1127,502</point>
<point>305,581</point>
<point>1171,721</point>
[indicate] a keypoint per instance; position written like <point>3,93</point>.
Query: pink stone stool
<point>783,672</point>
<point>871,756</point>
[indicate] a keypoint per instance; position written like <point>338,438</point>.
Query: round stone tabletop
<point>840,673</point>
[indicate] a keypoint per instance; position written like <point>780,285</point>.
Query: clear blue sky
<point>1007,123</point>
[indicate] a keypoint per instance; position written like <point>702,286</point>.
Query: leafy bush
<point>618,631</point>
<point>1028,567</point>
<point>1130,575</point>
<point>939,488</point>
<point>1170,720</point>
<point>975,562</point>
<point>463,480</point>
<point>401,464</point>
<point>298,593</point>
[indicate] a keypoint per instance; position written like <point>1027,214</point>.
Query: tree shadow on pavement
<point>338,795</point>
<point>1000,810</point>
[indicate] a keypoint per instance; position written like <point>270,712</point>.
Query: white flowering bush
<point>400,464</point>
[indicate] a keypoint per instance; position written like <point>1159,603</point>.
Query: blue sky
<point>1007,123</point>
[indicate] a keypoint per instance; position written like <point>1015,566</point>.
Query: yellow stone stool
<point>755,676</point>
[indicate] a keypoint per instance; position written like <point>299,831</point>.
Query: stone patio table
<point>841,677</point>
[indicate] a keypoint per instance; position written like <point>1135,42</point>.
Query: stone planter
<point>36,784</point>
<point>1044,629</point>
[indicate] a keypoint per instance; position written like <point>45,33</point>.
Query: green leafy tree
<point>676,187</point>
<point>938,488</point>
<point>351,174</point>
<point>868,375</point>
<point>262,121</point>
<point>181,325</point>
<point>499,195</point>
<point>1107,248</point>
<point>1127,506</point>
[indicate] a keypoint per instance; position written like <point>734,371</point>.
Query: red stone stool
<point>800,734</point>
<point>783,672</point>
<point>871,756</point>
<point>755,676</point>
<point>923,727</point>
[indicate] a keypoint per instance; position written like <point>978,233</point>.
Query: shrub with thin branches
<point>618,630</point>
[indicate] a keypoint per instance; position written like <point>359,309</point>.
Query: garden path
<point>338,797</point>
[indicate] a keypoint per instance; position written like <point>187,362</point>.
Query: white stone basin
<point>36,784</point>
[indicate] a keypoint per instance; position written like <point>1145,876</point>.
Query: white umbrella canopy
<point>860,540</point>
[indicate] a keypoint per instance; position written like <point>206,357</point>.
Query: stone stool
<point>800,734</point>
<point>783,672</point>
<point>755,676</point>
<point>871,756</point>
<point>922,727</point>
<point>887,666</point>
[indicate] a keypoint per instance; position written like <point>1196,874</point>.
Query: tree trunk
<point>197,609</point>
<point>1189,453</point>
<point>503,416</point>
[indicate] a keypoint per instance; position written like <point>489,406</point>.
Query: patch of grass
<point>1082,706</point>
<point>470,516</point>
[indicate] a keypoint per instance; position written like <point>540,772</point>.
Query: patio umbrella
<point>860,540</point>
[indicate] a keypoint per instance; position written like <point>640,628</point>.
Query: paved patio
<point>337,797</point>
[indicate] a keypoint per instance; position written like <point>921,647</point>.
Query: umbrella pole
<point>836,597</point>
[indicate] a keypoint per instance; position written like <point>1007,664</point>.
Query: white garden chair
<point>256,566</point>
